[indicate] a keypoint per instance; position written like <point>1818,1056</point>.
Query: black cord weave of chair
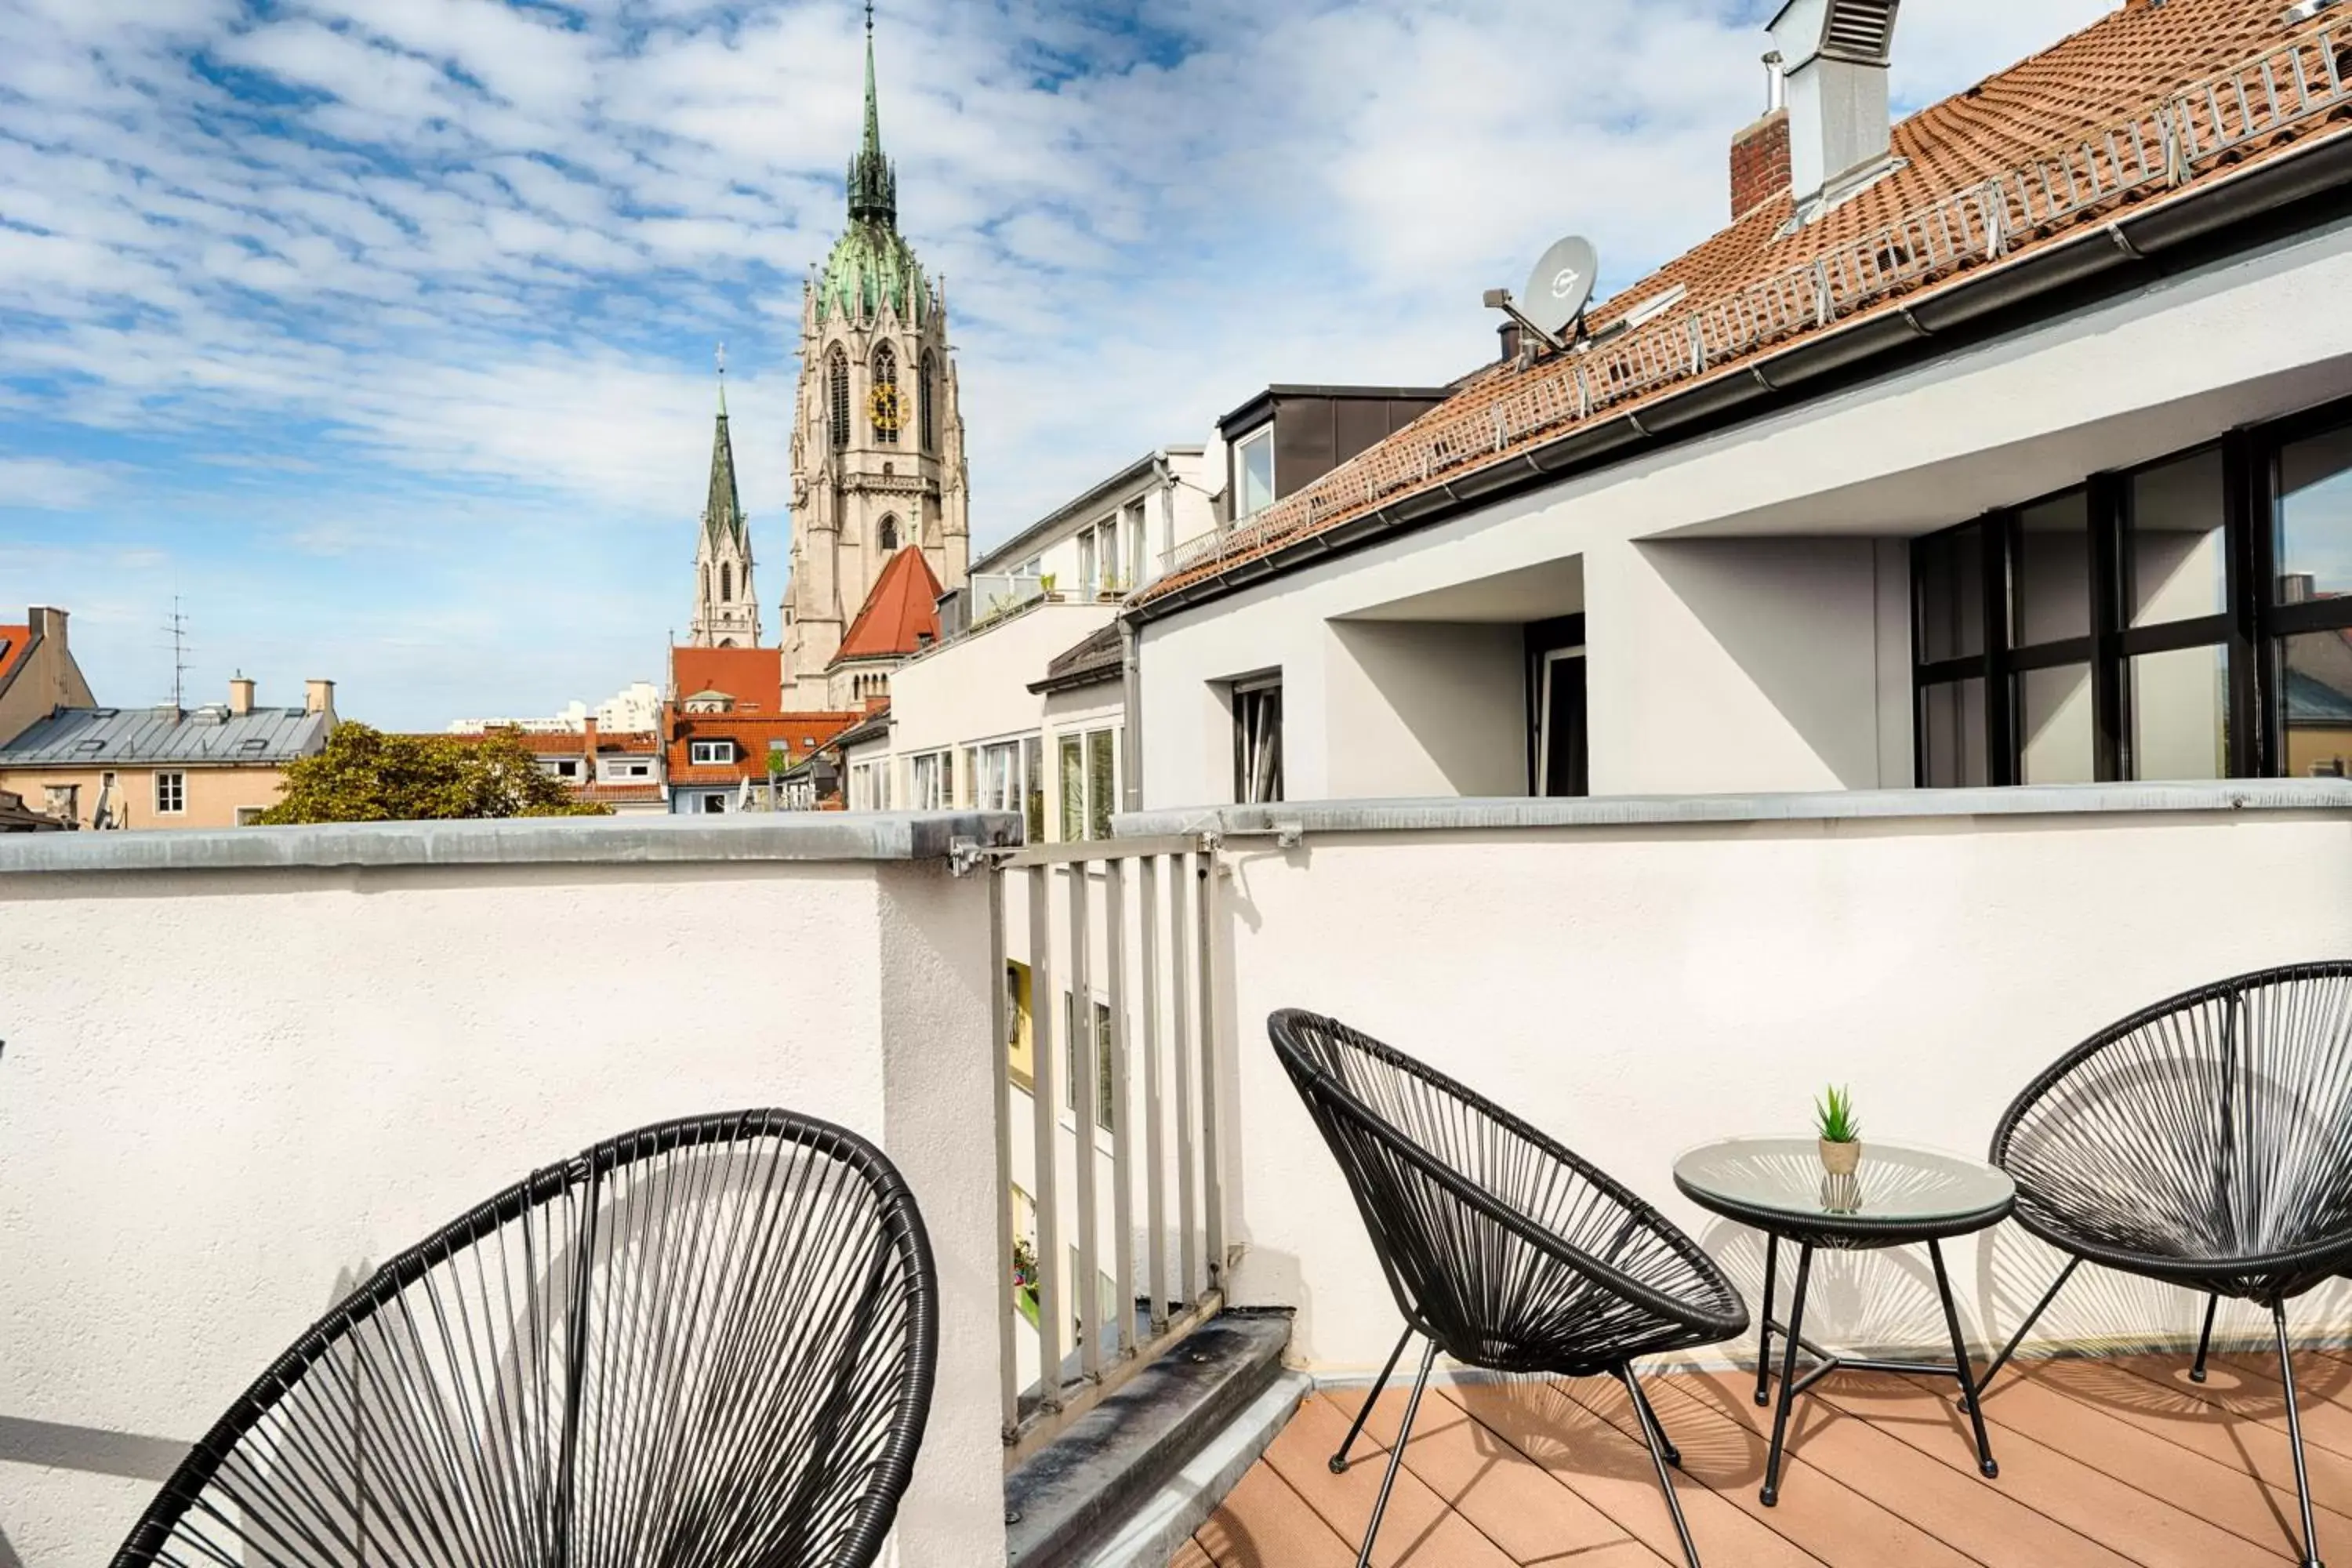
<point>1502,1247</point>
<point>708,1342</point>
<point>2206,1141</point>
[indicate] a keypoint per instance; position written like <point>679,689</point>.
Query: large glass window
<point>2315,518</point>
<point>2181,713</point>
<point>1106,1097</point>
<point>1033,787</point>
<point>1088,775</point>
<point>2315,688</point>
<point>1952,742</point>
<point>927,782</point>
<point>2175,551</point>
<point>1254,474</point>
<point>2056,739</point>
<point>2052,576</point>
<point>1948,569</point>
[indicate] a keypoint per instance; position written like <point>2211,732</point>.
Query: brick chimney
<point>1760,152</point>
<point>240,696</point>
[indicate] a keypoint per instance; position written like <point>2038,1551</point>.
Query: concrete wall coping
<point>520,841</point>
<point>1453,816</point>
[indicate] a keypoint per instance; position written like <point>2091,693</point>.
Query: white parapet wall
<point>244,1068</point>
<point>1639,976</point>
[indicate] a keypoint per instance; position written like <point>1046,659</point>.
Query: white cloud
<point>45,484</point>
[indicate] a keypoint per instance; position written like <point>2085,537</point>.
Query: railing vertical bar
<point>1179,940</point>
<point>1086,1087</point>
<point>1155,1150</point>
<point>1211,1183</point>
<point>1001,1024</point>
<point>1046,1127</point>
<point>1122,1122</point>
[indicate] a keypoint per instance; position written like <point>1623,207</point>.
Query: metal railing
<point>2302,78</point>
<point>1130,1181</point>
<point>995,593</point>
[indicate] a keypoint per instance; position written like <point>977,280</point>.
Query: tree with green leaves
<point>366,775</point>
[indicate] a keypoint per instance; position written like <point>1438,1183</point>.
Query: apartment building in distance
<point>219,765</point>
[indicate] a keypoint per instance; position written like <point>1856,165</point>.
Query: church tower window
<point>926,395</point>
<point>888,534</point>
<point>837,377</point>
<point>726,583</point>
<point>884,399</point>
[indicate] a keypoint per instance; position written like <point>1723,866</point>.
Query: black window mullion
<point>2000,725</point>
<point>2109,497</point>
<point>2256,745</point>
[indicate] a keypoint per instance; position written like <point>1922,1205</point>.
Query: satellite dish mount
<point>1557,293</point>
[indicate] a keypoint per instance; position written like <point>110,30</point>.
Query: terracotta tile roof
<point>567,743</point>
<point>754,677</point>
<point>2055,142</point>
<point>901,615</point>
<point>618,793</point>
<point>799,733</point>
<point>15,643</point>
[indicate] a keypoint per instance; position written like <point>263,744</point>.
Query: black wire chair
<point>1503,1249</point>
<point>708,1342</point>
<point>2204,1141</point>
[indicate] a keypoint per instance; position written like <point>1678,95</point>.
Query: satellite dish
<point>1562,283</point>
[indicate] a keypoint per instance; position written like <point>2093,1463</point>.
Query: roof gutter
<point>2133,241</point>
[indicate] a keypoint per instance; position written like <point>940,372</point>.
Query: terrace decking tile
<point>1854,1495</point>
<point>1611,1469</point>
<point>1420,1531</point>
<point>1192,1555</point>
<point>2323,1388</point>
<point>1516,1503</point>
<point>1262,1523</point>
<point>2238,1420</point>
<point>2142,1454</point>
<point>2144,1528</point>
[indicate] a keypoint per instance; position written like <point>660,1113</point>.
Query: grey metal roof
<point>96,737</point>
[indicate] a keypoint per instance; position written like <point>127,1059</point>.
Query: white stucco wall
<point>1731,694</point>
<point>229,1094</point>
<point>1635,990</point>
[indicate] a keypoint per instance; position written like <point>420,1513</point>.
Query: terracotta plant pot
<point>1840,1158</point>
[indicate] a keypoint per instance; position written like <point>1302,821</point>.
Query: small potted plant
<point>1840,1133</point>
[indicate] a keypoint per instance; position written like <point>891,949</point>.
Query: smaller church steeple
<point>725,606</point>
<point>872,182</point>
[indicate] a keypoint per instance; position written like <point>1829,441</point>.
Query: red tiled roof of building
<point>754,677</point>
<point>617,794</point>
<point>753,734</point>
<point>569,742</point>
<point>2026,141</point>
<point>15,643</point>
<point>901,615</point>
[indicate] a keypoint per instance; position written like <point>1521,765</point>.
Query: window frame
<point>2250,631</point>
<point>1252,695</point>
<point>1264,433</point>
<point>939,766</point>
<point>178,792</point>
<point>710,753</point>
<point>1096,800</point>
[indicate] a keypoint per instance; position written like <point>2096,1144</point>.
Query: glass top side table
<point>1901,1195</point>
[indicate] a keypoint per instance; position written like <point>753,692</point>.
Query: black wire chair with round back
<point>710,1340</point>
<point>1503,1249</point>
<point>2204,1141</point>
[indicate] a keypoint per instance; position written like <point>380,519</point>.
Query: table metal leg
<point>1968,1398</point>
<point>1764,1321</point>
<point>1771,1495</point>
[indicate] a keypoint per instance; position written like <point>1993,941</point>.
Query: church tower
<point>877,437</point>
<point>725,606</point>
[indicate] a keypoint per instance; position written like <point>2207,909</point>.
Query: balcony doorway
<point>1558,754</point>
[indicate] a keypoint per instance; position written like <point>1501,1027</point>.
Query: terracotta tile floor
<point>2113,1462</point>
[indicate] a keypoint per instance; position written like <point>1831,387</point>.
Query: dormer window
<point>711,754</point>
<point>1254,474</point>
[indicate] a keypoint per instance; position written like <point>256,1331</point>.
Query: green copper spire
<point>722,512</point>
<point>873,183</point>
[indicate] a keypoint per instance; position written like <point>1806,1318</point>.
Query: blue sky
<point>380,330</point>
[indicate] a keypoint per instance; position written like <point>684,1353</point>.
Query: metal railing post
<point>1046,1127</point>
<point>1122,1122</point>
<point>1155,1150</point>
<point>1179,940</point>
<point>1211,1182</point>
<point>1086,1087</point>
<point>1000,1067</point>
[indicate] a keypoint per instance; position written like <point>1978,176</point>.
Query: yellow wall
<point>214,794</point>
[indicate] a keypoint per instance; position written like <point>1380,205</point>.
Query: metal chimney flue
<point>1835,55</point>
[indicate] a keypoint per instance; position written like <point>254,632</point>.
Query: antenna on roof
<point>1558,290</point>
<point>178,631</point>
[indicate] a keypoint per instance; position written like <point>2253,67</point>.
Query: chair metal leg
<point>2026,1327</point>
<point>1339,1459</point>
<point>1650,1415</point>
<point>1396,1455</point>
<point>1770,1496</point>
<point>1764,1321</point>
<point>1968,1386</point>
<point>2294,1439</point>
<point>2204,1340</point>
<point>1662,1454</point>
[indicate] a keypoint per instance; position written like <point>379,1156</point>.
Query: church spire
<point>872,182</point>
<point>722,513</point>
